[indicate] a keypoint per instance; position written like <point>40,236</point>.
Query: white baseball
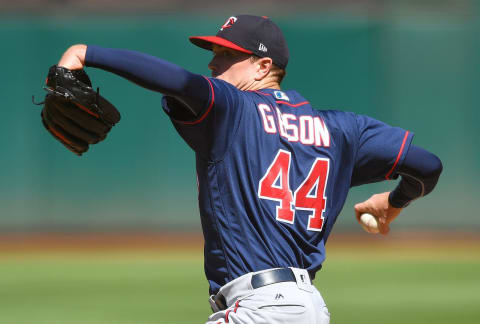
<point>369,223</point>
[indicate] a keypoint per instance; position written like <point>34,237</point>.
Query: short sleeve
<point>211,134</point>
<point>381,149</point>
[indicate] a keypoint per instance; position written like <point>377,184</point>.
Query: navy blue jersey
<point>274,173</point>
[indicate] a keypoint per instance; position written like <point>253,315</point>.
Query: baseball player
<point>273,172</point>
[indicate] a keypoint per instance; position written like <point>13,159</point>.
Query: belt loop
<point>213,305</point>
<point>218,302</point>
<point>303,279</point>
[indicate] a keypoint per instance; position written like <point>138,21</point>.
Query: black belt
<point>271,277</point>
<point>262,279</point>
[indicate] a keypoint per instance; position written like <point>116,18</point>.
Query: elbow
<point>436,166</point>
<point>422,164</point>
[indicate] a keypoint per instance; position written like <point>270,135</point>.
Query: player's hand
<point>74,57</point>
<point>378,206</point>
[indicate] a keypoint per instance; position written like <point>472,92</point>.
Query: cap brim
<point>207,41</point>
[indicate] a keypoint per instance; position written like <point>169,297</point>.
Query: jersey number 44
<point>310,195</point>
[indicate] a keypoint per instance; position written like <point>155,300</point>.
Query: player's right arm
<point>419,173</point>
<point>383,153</point>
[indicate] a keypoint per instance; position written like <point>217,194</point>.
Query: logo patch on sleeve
<point>280,95</point>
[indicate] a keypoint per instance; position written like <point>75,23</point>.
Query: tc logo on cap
<point>229,23</point>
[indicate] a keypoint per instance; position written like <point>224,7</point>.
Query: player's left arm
<point>419,173</point>
<point>189,92</point>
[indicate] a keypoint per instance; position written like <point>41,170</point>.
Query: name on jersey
<point>305,129</point>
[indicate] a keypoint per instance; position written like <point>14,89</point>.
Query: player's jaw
<point>232,66</point>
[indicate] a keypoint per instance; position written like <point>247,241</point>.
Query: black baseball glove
<point>73,112</point>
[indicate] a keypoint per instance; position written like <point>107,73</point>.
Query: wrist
<point>397,199</point>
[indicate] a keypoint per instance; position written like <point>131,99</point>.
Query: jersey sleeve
<point>381,150</point>
<point>211,134</point>
<point>190,90</point>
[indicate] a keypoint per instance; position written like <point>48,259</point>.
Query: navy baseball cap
<point>249,34</point>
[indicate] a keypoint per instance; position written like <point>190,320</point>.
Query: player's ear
<point>263,67</point>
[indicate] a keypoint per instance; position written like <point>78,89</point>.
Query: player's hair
<point>275,71</point>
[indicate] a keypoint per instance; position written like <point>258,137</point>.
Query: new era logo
<point>262,48</point>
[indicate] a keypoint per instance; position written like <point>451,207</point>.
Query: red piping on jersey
<point>387,177</point>
<point>263,93</point>
<point>292,105</point>
<point>208,109</point>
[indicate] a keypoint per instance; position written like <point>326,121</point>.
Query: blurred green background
<point>413,64</point>
<point>415,71</point>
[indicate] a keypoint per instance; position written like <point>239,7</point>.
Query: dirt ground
<point>192,241</point>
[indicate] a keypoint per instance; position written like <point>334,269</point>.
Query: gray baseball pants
<point>289,302</point>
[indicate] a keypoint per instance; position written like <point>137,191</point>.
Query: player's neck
<point>266,83</point>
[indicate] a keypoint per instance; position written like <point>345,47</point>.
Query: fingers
<point>384,230</point>
<point>378,206</point>
<point>383,226</point>
<point>359,210</point>
<point>367,206</point>
<point>364,208</point>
